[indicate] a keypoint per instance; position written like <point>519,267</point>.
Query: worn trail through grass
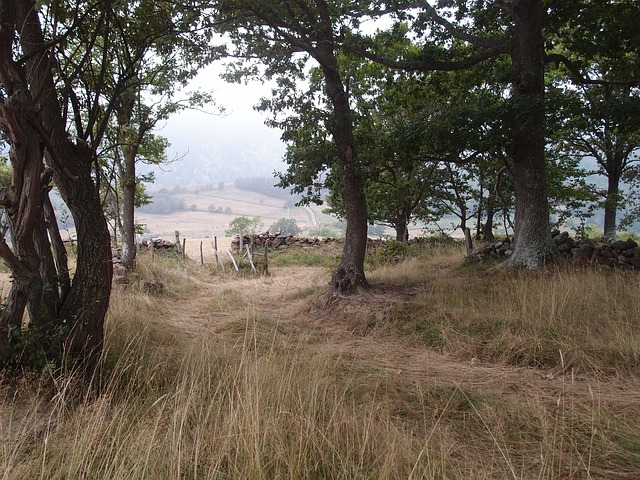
<point>293,303</point>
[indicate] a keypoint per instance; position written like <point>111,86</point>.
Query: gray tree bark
<point>533,245</point>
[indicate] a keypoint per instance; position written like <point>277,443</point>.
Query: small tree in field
<point>243,224</point>
<point>285,226</point>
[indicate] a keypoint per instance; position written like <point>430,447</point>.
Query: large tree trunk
<point>84,307</point>
<point>611,204</point>
<point>533,245</point>
<point>350,273</point>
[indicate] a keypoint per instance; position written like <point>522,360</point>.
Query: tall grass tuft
<point>590,316</point>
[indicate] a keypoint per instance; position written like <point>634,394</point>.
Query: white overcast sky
<point>202,138</point>
<point>211,143</point>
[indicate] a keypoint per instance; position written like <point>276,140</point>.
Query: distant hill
<point>207,149</point>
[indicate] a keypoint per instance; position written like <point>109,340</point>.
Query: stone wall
<point>623,254</point>
<point>277,240</point>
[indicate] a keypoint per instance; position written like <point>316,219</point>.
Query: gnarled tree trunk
<point>32,114</point>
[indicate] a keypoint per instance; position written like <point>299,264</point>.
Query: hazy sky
<point>235,146</point>
<point>216,148</point>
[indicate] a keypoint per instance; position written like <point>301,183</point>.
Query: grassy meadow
<point>442,370</point>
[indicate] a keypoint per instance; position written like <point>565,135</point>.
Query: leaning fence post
<point>233,260</point>
<point>251,259</point>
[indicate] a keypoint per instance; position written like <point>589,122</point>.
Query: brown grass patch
<point>437,374</point>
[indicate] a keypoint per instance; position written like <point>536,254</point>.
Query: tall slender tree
<point>284,35</point>
<point>152,49</point>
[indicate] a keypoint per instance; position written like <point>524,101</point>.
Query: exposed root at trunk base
<point>347,281</point>
<point>361,307</point>
<point>532,258</point>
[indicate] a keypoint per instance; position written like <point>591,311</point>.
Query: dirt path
<point>287,299</point>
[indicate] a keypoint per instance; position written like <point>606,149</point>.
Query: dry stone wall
<point>623,254</point>
<point>276,241</point>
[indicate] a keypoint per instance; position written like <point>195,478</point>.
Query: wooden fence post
<point>215,252</point>
<point>233,260</point>
<point>201,255</point>
<point>266,257</point>
<point>250,257</point>
<point>178,245</point>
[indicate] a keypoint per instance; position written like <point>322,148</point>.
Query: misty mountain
<point>206,149</point>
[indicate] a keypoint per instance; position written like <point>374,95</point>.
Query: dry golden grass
<point>442,376</point>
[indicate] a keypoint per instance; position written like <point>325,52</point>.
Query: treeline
<point>164,203</point>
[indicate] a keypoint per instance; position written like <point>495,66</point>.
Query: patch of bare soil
<point>297,300</point>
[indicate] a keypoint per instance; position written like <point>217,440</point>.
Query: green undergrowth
<point>294,255</point>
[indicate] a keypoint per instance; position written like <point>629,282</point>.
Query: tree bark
<point>533,245</point>
<point>401,224</point>
<point>59,250</point>
<point>128,207</point>
<point>402,232</point>
<point>487,229</point>
<point>85,306</point>
<point>481,206</point>
<point>23,202</point>
<point>349,275</point>
<point>611,204</point>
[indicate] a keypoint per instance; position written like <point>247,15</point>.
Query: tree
<point>597,89</point>
<point>390,108</point>
<point>595,46</point>
<point>605,125</point>
<point>154,48</point>
<point>65,316</point>
<point>284,35</point>
<point>243,225</point>
<point>513,29</point>
<point>285,226</point>
<point>417,133</point>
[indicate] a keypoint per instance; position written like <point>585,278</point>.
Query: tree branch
<point>427,65</point>
<point>557,59</point>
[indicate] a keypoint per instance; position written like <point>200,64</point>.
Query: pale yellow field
<point>201,222</point>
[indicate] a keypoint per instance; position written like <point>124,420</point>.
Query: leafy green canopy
<point>243,225</point>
